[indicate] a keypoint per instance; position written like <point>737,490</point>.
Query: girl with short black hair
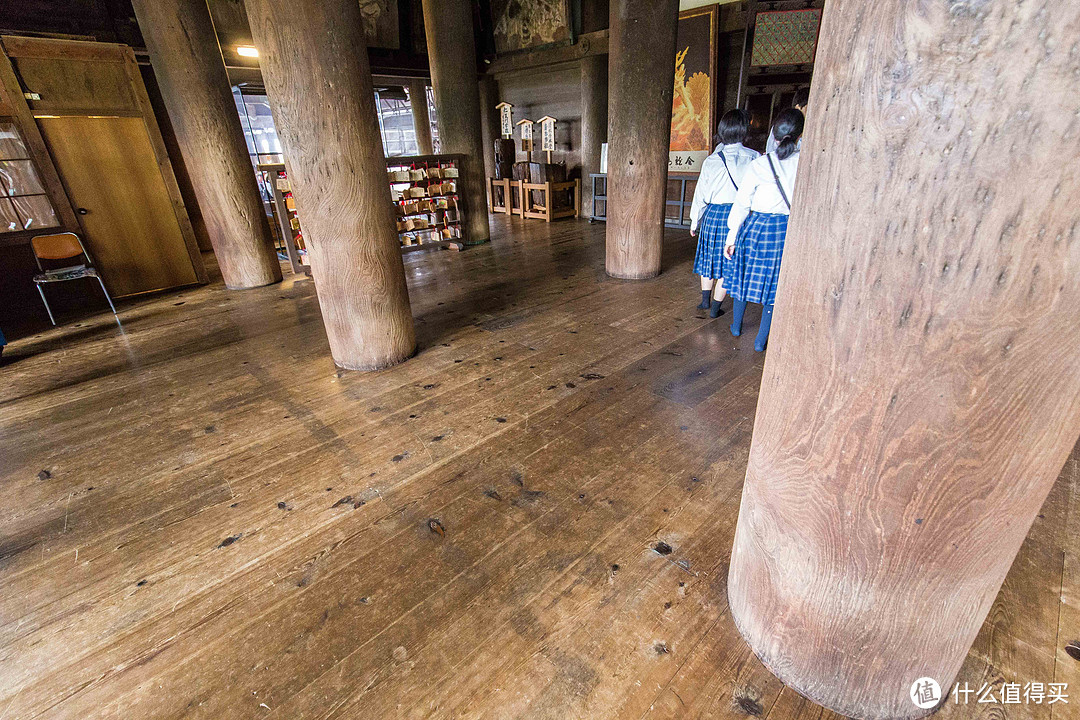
<point>716,188</point>
<point>757,226</point>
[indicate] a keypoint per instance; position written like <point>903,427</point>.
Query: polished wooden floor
<point>532,518</point>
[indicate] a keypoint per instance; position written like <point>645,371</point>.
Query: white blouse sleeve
<point>741,207</point>
<point>701,189</point>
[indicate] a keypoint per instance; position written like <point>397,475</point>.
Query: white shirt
<point>714,185</point>
<point>758,191</point>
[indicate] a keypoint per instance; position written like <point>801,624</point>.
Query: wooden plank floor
<point>200,517</point>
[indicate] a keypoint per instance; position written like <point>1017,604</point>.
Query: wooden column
<point>187,63</point>
<point>489,121</point>
<point>922,387</point>
<point>452,56</point>
<point>315,67</point>
<point>594,119</point>
<point>641,73</point>
<point>421,119</point>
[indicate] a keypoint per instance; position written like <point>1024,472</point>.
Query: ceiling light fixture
<point>247,51</point>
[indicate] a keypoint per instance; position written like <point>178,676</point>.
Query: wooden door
<point>88,102</point>
<point>108,167</point>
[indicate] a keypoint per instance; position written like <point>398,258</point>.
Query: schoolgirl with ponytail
<point>721,174</point>
<point>757,226</point>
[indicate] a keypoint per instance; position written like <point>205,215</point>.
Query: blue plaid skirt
<point>755,267</point>
<point>712,234</point>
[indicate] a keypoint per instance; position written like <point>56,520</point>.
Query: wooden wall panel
<point>548,91</point>
<point>75,86</point>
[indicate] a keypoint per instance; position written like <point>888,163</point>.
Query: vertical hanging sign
<point>506,119</point>
<point>526,134</point>
<point>547,133</point>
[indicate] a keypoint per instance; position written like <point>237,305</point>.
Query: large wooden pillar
<point>421,118</point>
<point>641,77</point>
<point>489,121</point>
<point>315,67</point>
<point>452,56</point>
<point>187,63</point>
<point>594,120</point>
<point>922,387</point>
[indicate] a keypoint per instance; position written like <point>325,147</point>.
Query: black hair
<point>801,97</point>
<point>787,130</point>
<point>733,127</point>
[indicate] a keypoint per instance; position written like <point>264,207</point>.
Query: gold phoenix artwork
<point>690,108</point>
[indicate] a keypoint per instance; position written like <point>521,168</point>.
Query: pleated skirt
<point>712,234</point>
<point>754,270</point>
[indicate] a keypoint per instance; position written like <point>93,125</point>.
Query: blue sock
<point>762,338</point>
<point>706,297</point>
<point>738,307</point>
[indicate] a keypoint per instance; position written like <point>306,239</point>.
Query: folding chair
<point>64,246</point>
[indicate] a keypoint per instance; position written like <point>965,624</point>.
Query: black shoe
<point>714,309</point>
<point>704,300</point>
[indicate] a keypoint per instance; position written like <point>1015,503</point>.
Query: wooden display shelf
<point>293,237</point>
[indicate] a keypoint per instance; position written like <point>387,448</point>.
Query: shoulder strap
<point>779,186</point>
<point>730,176</point>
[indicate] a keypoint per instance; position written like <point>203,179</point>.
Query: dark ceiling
<point>114,21</point>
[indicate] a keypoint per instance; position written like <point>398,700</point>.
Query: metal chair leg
<point>47,308</point>
<point>102,284</point>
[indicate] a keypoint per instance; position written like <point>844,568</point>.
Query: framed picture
<point>785,37</point>
<point>693,107</point>
<point>527,24</point>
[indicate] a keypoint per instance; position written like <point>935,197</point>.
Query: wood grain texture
<point>922,388</point>
<point>641,79</point>
<point>489,121</point>
<point>594,119</point>
<point>187,63</point>
<point>421,118</point>
<point>318,81</point>
<point>557,424</point>
<point>452,56</point>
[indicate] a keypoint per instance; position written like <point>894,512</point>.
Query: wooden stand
<point>922,387</point>
<point>546,210</point>
<point>517,196</point>
<point>499,195</point>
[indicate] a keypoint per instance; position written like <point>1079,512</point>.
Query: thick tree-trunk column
<point>421,119</point>
<point>452,56</point>
<point>922,388</point>
<point>641,73</point>
<point>594,120</point>
<point>315,67</point>
<point>490,131</point>
<point>187,63</point>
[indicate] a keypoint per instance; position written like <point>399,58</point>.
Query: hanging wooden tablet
<point>506,119</point>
